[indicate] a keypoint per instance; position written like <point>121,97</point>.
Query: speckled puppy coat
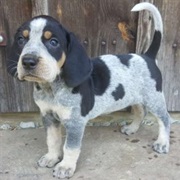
<point>70,88</point>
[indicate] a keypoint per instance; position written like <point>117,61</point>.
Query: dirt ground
<point>106,155</point>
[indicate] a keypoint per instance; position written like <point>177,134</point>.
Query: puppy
<point>70,88</point>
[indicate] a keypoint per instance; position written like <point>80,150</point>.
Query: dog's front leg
<point>71,149</point>
<point>54,141</point>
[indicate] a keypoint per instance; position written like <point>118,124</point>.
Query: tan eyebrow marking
<point>25,33</point>
<point>47,34</point>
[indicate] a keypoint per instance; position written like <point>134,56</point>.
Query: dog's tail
<point>155,45</point>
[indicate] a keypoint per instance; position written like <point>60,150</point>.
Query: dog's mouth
<point>32,78</point>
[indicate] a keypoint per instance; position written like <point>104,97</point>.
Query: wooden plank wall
<point>14,96</point>
<point>98,24</point>
<point>94,22</point>
<point>103,26</point>
<point>169,56</point>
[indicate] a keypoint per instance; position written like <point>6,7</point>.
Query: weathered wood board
<point>169,54</point>
<point>94,22</point>
<point>103,26</point>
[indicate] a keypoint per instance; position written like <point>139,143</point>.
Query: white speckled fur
<point>136,81</point>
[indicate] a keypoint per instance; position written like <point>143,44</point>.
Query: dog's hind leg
<point>138,114</point>
<point>161,145</point>
<point>158,108</point>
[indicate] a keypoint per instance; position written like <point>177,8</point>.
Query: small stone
<point>148,122</point>
<point>175,121</point>
<point>122,123</point>
<point>106,123</point>
<point>25,125</point>
<point>5,127</point>
<point>90,124</point>
<point>97,124</point>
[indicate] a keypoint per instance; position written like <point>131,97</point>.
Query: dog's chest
<point>54,101</point>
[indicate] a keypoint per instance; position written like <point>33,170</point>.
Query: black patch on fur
<point>87,93</point>
<point>100,76</point>
<point>119,92</point>
<point>96,84</point>
<point>125,59</point>
<point>155,72</point>
<point>155,45</point>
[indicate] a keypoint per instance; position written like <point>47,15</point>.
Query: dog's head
<point>43,49</point>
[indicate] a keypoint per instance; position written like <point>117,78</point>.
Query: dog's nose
<point>29,62</point>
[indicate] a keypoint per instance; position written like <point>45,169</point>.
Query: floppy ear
<point>77,66</point>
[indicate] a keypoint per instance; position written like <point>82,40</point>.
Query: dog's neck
<point>53,87</point>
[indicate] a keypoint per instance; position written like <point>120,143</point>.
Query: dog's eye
<point>21,40</point>
<point>54,42</point>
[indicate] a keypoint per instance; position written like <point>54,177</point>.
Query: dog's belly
<point>109,105</point>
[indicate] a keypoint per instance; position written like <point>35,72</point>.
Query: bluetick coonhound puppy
<point>70,88</point>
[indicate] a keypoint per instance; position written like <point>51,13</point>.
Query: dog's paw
<point>161,147</point>
<point>48,160</point>
<point>63,170</point>
<point>129,129</point>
